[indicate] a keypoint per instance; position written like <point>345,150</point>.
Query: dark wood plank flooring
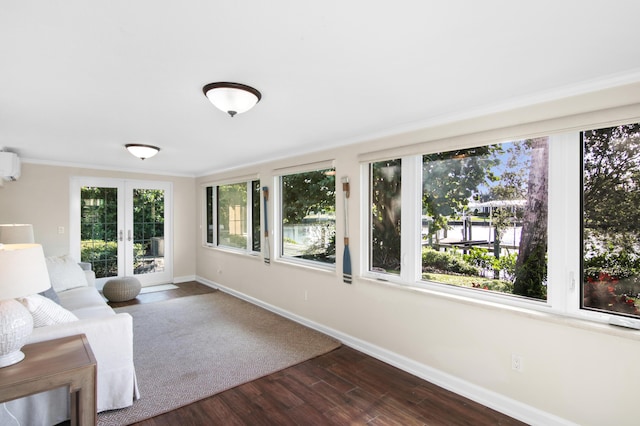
<point>343,387</point>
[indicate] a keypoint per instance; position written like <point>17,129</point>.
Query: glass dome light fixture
<point>142,151</point>
<point>232,98</point>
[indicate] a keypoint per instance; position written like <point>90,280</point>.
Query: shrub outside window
<point>308,230</point>
<point>611,220</point>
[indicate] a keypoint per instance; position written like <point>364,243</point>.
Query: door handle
<point>129,235</point>
<point>120,235</point>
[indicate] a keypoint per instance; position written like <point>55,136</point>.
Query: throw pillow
<point>46,312</point>
<point>65,273</point>
<point>51,294</point>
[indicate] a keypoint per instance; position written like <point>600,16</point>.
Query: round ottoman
<point>121,289</point>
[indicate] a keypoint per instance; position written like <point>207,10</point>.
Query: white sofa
<point>109,334</point>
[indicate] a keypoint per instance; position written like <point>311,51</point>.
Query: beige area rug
<point>192,347</point>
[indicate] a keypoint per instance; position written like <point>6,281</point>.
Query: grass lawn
<point>468,281</point>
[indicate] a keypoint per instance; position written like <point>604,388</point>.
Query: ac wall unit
<point>9,166</point>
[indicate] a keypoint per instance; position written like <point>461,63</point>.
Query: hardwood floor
<point>343,387</point>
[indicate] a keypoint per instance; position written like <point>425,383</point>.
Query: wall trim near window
<point>542,312</point>
<point>572,123</point>
<point>307,167</point>
<point>231,180</point>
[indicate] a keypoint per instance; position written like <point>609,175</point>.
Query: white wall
<point>41,197</point>
<point>574,371</point>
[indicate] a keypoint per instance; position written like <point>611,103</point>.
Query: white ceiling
<point>81,78</point>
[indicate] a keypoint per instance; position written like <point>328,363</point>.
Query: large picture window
<point>484,217</point>
<point>549,223</point>
<point>233,215</point>
<point>611,220</point>
<point>308,213</point>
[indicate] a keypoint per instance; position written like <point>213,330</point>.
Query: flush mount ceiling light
<point>232,98</point>
<point>142,151</point>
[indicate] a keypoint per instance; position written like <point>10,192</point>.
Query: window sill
<point>534,310</point>
<point>307,264</point>
<point>233,251</point>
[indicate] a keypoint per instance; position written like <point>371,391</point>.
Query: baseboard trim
<point>493,400</point>
<point>184,279</point>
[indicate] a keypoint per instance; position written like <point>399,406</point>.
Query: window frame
<point>278,215</point>
<point>564,228</point>
<point>210,212</point>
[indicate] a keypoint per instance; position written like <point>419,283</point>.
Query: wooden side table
<point>51,364</point>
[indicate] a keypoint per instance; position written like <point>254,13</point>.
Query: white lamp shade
<point>226,99</point>
<point>23,270</point>
<point>16,233</point>
<point>142,151</point>
<point>232,98</point>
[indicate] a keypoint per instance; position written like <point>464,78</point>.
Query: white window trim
<point>564,246</point>
<point>215,245</point>
<point>277,228</point>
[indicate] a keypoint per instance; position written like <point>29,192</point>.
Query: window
<point>611,220</point>
<point>233,215</point>
<point>384,220</point>
<point>484,217</point>
<point>308,216</point>
<point>516,222</point>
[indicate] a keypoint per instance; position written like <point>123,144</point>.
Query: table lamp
<point>16,233</point>
<point>23,272</point>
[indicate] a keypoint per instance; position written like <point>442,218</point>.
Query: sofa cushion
<point>45,311</point>
<point>85,302</point>
<point>51,294</point>
<point>65,273</point>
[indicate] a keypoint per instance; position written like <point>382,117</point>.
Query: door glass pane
<point>99,229</point>
<point>148,231</point>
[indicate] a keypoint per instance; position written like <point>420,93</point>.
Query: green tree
<point>511,185</point>
<point>148,215</point>
<point>611,181</point>
<point>451,178</point>
<point>99,213</point>
<point>307,193</point>
<point>312,194</point>
<point>611,195</point>
<point>386,183</point>
<point>531,264</point>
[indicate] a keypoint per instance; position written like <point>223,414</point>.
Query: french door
<point>123,228</point>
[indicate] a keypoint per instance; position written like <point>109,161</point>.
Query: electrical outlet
<point>517,363</point>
